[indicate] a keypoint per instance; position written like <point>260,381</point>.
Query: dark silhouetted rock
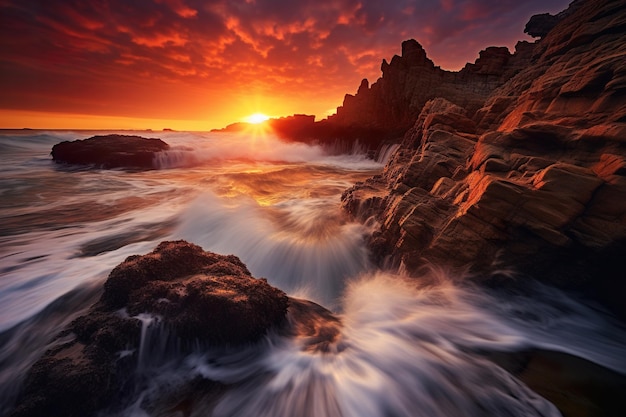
<point>110,151</point>
<point>388,108</point>
<point>296,127</point>
<point>540,24</point>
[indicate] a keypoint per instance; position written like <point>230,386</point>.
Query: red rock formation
<point>386,109</point>
<point>390,105</point>
<point>534,180</point>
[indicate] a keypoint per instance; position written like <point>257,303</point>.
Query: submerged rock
<point>579,388</point>
<point>195,298</point>
<point>110,151</point>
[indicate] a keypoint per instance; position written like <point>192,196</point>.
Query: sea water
<point>406,348</point>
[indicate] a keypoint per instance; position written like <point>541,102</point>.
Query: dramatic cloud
<point>218,60</point>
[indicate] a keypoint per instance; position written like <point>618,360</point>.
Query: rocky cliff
<point>389,107</point>
<point>383,111</point>
<point>516,162</point>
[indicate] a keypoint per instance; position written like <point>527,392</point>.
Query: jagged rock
<point>540,24</point>
<point>365,85</point>
<point>577,70</point>
<point>432,151</point>
<point>110,151</point>
<point>197,298</point>
<point>534,180</point>
<point>490,61</point>
<point>389,106</point>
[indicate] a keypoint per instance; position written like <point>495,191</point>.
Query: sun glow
<point>257,118</point>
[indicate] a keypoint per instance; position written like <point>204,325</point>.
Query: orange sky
<point>202,64</point>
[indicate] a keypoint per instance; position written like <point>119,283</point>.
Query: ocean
<point>411,346</point>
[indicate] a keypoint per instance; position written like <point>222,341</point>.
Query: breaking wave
<point>404,350</point>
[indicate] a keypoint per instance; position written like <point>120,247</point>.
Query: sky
<point>202,64</point>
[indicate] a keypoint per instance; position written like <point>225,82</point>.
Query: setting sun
<point>257,118</point>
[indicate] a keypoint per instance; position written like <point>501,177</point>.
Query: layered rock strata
<point>534,181</point>
<point>388,108</point>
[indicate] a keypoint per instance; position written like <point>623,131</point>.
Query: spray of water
<point>386,151</point>
<point>402,350</point>
<point>207,148</point>
<point>305,248</point>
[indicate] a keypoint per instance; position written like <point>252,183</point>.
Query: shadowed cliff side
<point>389,107</point>
<point>383,111</point>
<point>534,180</point>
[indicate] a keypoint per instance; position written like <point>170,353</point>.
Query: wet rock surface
<point>110,151</point>
<point>533,180</point>
<point>197,298</point>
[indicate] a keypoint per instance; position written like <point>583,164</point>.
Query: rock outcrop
<point>388,108</point>
<point>533,181</point>
<point>540,25</point>
<point>110,151</point>
<point>196,298</point>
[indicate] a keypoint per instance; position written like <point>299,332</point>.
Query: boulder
<point>187,296</point>
<point>540,24</point>
<point>110,151</point>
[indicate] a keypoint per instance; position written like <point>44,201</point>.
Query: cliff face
<point>385,110</point>
<point>390,106</point>
<point>532,179</point>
